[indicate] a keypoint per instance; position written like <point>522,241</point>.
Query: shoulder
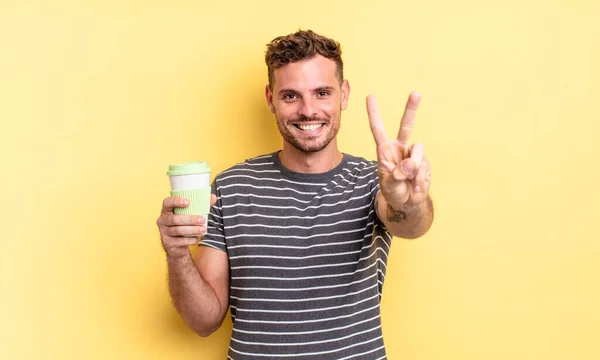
<point>251,167</point>
<point>360,165</point>
<point>361,174</point>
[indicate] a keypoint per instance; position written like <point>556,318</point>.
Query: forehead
<point>312,73</point>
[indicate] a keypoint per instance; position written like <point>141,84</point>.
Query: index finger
<point>375,121</point>
<point>172,202</point>
<point>408,119</point>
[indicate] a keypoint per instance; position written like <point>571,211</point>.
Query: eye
<point>289,96</point>
<point>323,93</point>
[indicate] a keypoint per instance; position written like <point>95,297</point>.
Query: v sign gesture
<point>404,174</point>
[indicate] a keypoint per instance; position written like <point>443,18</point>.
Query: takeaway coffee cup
<point>192,181</point>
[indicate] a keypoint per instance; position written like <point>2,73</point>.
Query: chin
<point>309,147</point>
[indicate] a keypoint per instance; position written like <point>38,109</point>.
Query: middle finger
<point>175,220</point>
<point>186,231</point>
<point>408,119</point>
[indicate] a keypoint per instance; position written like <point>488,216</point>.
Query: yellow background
<point>98,97</point>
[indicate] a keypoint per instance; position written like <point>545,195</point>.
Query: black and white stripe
<point>307,256</point>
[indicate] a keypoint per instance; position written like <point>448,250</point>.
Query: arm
<point>403,203</point>
<point>409,221</point>
<point>198,286</point>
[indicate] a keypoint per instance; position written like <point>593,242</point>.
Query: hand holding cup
<point>184,215</point>
<point>178,232</point>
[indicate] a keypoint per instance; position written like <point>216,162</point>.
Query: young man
<point>297,241</point>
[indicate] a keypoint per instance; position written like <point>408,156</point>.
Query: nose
<point>308,107</point>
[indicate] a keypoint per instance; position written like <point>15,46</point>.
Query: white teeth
<point>309,127</point>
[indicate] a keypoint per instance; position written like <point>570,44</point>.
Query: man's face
<point>307,100</point>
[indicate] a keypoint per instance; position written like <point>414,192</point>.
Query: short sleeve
<point>379,225</point>
<point>215,235</point>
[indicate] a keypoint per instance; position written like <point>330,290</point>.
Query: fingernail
<point>201,220</point>
<point>193,241</point>
<point>184,202</point>
<point>407,167</point>
<point>417,188</point>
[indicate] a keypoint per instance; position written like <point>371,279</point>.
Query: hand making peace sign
<point>404,173</point>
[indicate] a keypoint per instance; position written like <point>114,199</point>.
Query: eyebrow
<point>281,91</point>
<point>329,88</point>
<point>320,88</point>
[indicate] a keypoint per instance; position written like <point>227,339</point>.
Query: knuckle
<point>166,232</point>
<point>182,230</point>
<point>183,220</point>
<point>175,231</point>
<point>172,220</point>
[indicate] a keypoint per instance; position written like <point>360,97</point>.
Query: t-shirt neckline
<point>320,177</point>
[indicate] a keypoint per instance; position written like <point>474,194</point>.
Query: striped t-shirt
<point>307,256</point>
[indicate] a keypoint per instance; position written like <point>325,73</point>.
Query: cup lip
<point>189,168</point>
<point>190,173</point>
<point>190,189</point>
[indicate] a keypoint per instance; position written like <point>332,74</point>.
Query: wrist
<point>406,207</point>
<point>179,259</point>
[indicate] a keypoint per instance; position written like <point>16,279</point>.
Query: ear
<point>345,94</point>
<point>269,96</point>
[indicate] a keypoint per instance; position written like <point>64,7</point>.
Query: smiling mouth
<point>310,127</point>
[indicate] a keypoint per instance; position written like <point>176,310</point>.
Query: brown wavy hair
<point>302,45</point>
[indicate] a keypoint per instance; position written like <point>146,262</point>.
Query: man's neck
<point>310,163</point>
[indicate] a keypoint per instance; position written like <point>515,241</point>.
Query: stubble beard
<point>308,145</point>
